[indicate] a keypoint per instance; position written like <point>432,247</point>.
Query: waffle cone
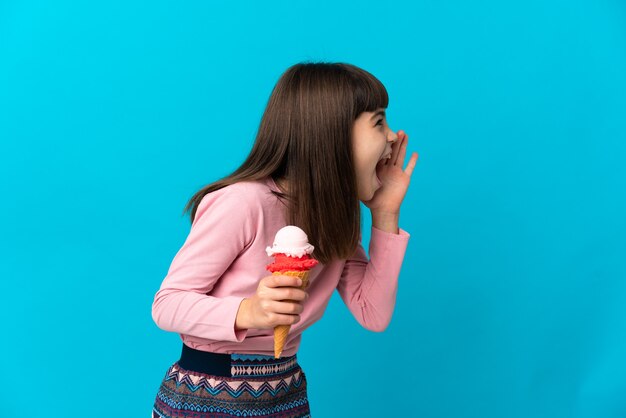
<point>281,331</point>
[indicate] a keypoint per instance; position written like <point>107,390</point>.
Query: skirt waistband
<point>235,364</point>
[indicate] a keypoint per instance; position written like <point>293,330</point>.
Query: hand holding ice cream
<point>277,301</point>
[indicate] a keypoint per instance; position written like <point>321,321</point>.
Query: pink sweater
<point>223,259</point>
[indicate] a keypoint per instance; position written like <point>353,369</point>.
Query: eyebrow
<point>378,113</point>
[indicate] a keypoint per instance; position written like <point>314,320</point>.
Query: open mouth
<point>379,167</point>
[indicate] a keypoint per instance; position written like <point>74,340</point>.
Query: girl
<point>322,146</point>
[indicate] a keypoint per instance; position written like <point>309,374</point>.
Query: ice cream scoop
<point>292,241</point>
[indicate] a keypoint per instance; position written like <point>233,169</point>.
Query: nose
<point>392,136</point>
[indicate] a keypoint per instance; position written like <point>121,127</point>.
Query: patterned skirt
<point>202,385</point>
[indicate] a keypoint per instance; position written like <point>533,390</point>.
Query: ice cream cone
<point>292,257</point>
<point>281,331</point>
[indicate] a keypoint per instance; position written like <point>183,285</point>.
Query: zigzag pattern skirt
<point>202,385</point>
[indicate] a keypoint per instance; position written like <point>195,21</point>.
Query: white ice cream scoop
<point>292,241</point>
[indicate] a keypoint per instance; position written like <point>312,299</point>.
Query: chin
<point>364,196</point>
<point>368,191</point>
<point>370,194</point>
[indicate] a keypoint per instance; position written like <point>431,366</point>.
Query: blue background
<point>512,294</point>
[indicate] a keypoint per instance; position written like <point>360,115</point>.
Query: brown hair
<point>305,137</point>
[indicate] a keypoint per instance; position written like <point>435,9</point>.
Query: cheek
<point>367,152</point>
<point>361,161</point>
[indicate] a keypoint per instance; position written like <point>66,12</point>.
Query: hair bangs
<point>369,93</point>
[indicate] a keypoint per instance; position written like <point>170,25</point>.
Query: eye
<point>379,122</point>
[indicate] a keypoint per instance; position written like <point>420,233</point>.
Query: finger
<point>282,319</point>
<point>401,153</point>
<point>411,165</point>
<point>395,149</point>
<point>285,293</point>
<point>286,307</point>
<point>288,293</point>
<point>282,280</point>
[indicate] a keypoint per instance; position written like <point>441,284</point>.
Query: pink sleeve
<point>369,287</point>
<point>223,226</point>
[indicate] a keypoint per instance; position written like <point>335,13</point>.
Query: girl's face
<point>371,145</point>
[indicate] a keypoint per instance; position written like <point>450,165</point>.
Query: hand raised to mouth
<point>395,180</point>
